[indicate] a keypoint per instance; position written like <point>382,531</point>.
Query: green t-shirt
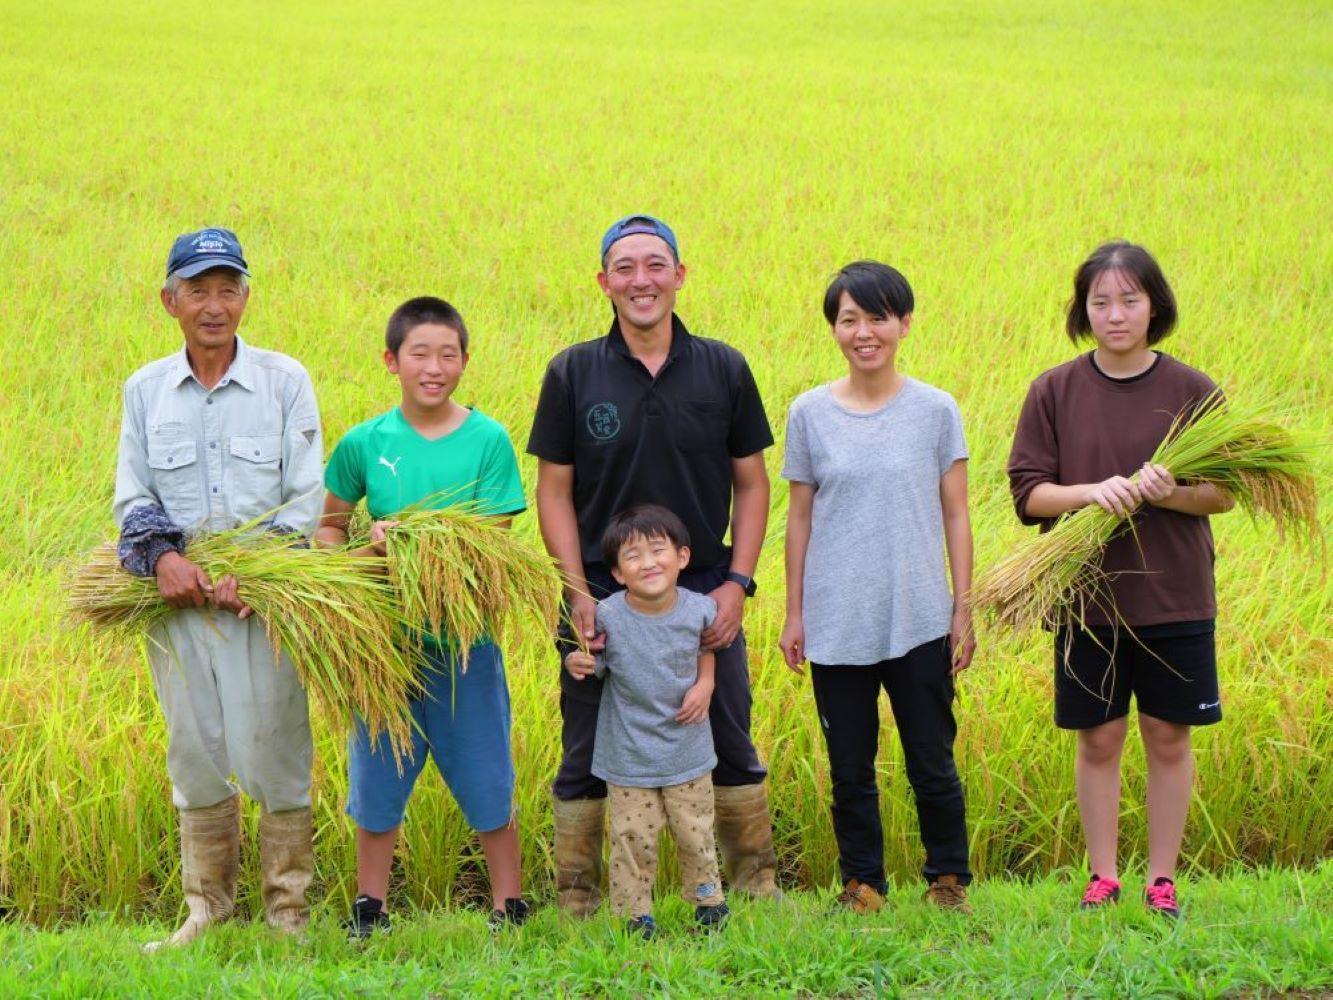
<point>389,463</point>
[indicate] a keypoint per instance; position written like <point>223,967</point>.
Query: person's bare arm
<point>749,521</point>
<point>958,545</point>
<point>1118,495</point>
<point>1160,489</point>
<point>799,504</point>
<point>560,532</point>
<point>694,708</point>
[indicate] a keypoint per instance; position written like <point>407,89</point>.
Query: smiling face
<point>641,278</point>
<point>208,307</point>
<point>648,567</point>
<point>1119,312</point>
<point>429,364</point>
<point>868,342</point>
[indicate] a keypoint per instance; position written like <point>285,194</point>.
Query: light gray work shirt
<point>875,580</point>
<point>649,662</point>
<point>215,459</point>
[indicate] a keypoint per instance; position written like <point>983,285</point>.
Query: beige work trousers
<point>637,818</point>
<point>230,707</point>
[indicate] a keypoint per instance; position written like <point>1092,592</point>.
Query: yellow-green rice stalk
<point>465,576</point>
<point>333,613</point>
<point>1056,576</point>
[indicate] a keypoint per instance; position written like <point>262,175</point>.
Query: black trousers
<point>728,713</point>
<point>921,693</point>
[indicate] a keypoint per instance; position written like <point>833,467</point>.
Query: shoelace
<point>1100,890</point>
<point>949,893</point>
<point>1162,897</point>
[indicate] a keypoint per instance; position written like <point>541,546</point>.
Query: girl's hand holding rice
<point>580,664</point>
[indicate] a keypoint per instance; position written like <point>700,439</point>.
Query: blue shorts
<point>466,730</point>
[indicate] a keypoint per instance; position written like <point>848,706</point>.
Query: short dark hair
<point>1138,265</point>
<point>423,309</point>
<point>645,520</point>
<point>877,288</point>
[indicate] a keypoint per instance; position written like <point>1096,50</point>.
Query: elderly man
<point>650,413</point>
<point>213,436</point>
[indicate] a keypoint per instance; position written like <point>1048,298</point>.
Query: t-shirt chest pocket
<point>700,423</point>
<point>256,469</point>
<point>175,472</point>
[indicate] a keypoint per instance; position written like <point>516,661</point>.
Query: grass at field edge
<point>1261,933</point>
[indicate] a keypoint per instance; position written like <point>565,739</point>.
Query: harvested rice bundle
<point>1054,577</point>
<point>333,613</point>
<point>466,576</point>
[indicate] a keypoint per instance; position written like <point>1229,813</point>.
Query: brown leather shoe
<point>860,898</point>
<point>948,893</point>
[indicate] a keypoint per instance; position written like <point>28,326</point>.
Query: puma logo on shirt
<point>391,466</point>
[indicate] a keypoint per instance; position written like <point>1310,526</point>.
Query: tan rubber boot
<point>210,857</point>
<point>579,831</point>
<point>745,838</point>
<point>287,859</point>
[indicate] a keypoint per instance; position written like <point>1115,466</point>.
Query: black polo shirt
<point>633,438</point>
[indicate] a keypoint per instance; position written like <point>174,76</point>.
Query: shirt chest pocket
<point>255,474</point>
<point>701,424</point>
<point>175,473</point>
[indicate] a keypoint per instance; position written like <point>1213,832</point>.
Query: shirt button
<point>170,460</point>
<point>209,401</point>
<point>215,489</point>
<point>256,454</point>
<point>212,444</point>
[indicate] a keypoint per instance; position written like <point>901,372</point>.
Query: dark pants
<point>921,692</point>
<point>728,713</point>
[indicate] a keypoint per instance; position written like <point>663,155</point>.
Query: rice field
<point>477,151</point>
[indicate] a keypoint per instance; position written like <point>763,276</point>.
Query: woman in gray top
<point>878,471</point>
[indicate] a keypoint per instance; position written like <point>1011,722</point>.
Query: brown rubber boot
<point>287,858</point>
<point>745,838</point>
<point>210,857</point>
<point>948,893</point>
<point>579,826</point>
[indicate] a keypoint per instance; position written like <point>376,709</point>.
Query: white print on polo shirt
<point>604,421</point>
<point>1205,705</point>
<point>391,466</point>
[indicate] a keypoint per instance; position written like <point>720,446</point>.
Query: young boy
<point>654,748</point>
<point>431,446</point>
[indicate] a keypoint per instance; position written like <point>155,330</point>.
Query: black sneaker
<point>710,918</point>
<point>515,912</point>
<point>643,926</point>
<point>368,916</point>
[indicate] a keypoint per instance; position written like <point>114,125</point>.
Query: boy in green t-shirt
<point>425,445</point>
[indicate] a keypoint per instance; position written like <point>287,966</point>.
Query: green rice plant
<point>466,576</point>
<point>1056,576</point>
<point>333,613</point>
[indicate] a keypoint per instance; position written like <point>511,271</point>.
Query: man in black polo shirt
<point>652,414</point>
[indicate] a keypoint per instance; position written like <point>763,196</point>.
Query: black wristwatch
<point>746,583</point>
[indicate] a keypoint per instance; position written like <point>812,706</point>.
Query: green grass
<point>369,153</point>
<point>1255,934</point>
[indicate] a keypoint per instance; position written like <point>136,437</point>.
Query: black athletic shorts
<point>1171,670</point>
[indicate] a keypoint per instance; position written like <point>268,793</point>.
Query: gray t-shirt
<point>875,581</point>
<point>650,661</point>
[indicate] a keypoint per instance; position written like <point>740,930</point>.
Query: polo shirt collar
<point>241,370</point>
<point>679,338</point>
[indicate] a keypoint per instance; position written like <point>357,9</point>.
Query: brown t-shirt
<point>1081,426</point>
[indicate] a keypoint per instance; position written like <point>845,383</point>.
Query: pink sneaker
<point>1100,892</point>
<point>1161,898</point>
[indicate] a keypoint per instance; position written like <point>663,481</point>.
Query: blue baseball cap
<point>195,253</point>
<point>632,224</point>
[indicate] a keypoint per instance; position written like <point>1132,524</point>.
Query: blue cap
<point>632,224</point>
<point>194,253</point>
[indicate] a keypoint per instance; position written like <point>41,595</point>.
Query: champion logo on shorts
<point>705,890</point>
<point>1205,705</point>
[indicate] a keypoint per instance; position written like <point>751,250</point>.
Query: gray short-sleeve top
<point>650,661</point>
<point>875,580</point>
